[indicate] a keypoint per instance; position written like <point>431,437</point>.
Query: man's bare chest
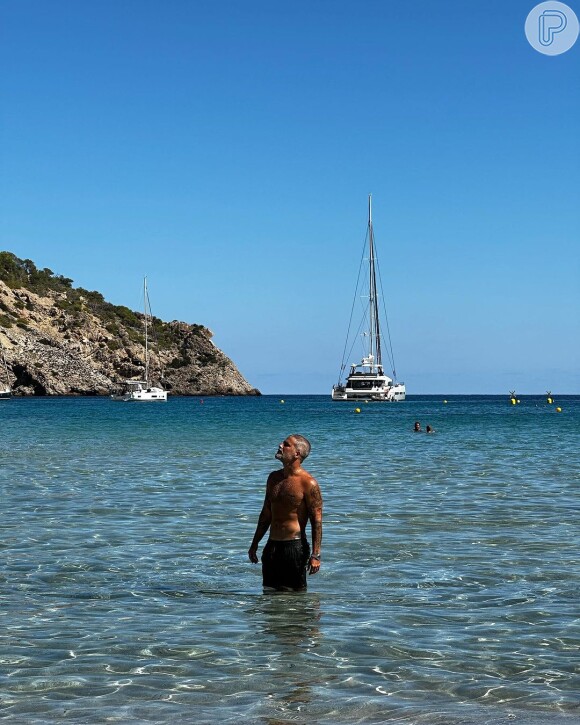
<point>287,494</point>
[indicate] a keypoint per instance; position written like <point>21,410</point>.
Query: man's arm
<point>264,520</point>
<point>314,505</point>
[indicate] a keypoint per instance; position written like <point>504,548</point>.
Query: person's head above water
<point>417,427</point>
<point>293,445</point>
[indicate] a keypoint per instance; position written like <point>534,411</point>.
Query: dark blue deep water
<point>449,588</point>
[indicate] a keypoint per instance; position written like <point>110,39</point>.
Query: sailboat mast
<point>371,295</point>
<point>375,334</point>
<point>146,340</point>
<point>5,365</point>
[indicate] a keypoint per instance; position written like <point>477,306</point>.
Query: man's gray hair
<point>302,445</point>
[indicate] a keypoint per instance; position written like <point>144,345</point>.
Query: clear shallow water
<point>448,592</point>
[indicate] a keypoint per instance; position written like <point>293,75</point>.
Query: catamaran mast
<point>146,340</point>
<point>375,333</point>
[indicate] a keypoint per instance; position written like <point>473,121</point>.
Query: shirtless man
<point>292,498</point>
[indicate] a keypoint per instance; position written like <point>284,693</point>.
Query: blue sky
<point>226,150</point>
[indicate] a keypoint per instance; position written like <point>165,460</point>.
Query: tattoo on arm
<point>316,535</point>
<point>314,500</point>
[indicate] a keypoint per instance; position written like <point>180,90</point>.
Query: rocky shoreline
<point>68,341</point>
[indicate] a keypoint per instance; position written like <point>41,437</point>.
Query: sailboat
<point>367,379</point>
<point>5,390</point>
<point>142,390</point>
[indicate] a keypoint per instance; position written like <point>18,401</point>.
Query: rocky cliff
<point>62,340</point>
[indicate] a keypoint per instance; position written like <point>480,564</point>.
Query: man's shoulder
<point>307,478</point>
<point>276,475</point>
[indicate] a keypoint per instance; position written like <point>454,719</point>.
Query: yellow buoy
<point>558,410</point>
<point>513,401</point>
<point>357,410</point>
<point>281,401</point>
<point>550,401</point>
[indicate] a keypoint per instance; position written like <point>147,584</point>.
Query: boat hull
<point>141,395</point>
<point>388,393</point>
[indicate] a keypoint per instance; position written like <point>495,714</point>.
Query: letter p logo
<point>550,23</point>
<point>552,28</point>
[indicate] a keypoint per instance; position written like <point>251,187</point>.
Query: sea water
<point>448,591</point>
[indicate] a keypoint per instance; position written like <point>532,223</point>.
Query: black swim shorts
<point>284,564</point>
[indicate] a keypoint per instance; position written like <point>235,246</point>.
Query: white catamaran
<point>142,390</point>
<point>367,379</point>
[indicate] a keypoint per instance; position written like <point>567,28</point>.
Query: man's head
<point>293,447</point>
<point>417,426</point>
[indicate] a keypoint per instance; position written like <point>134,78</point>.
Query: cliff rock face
<point>58,340</point>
